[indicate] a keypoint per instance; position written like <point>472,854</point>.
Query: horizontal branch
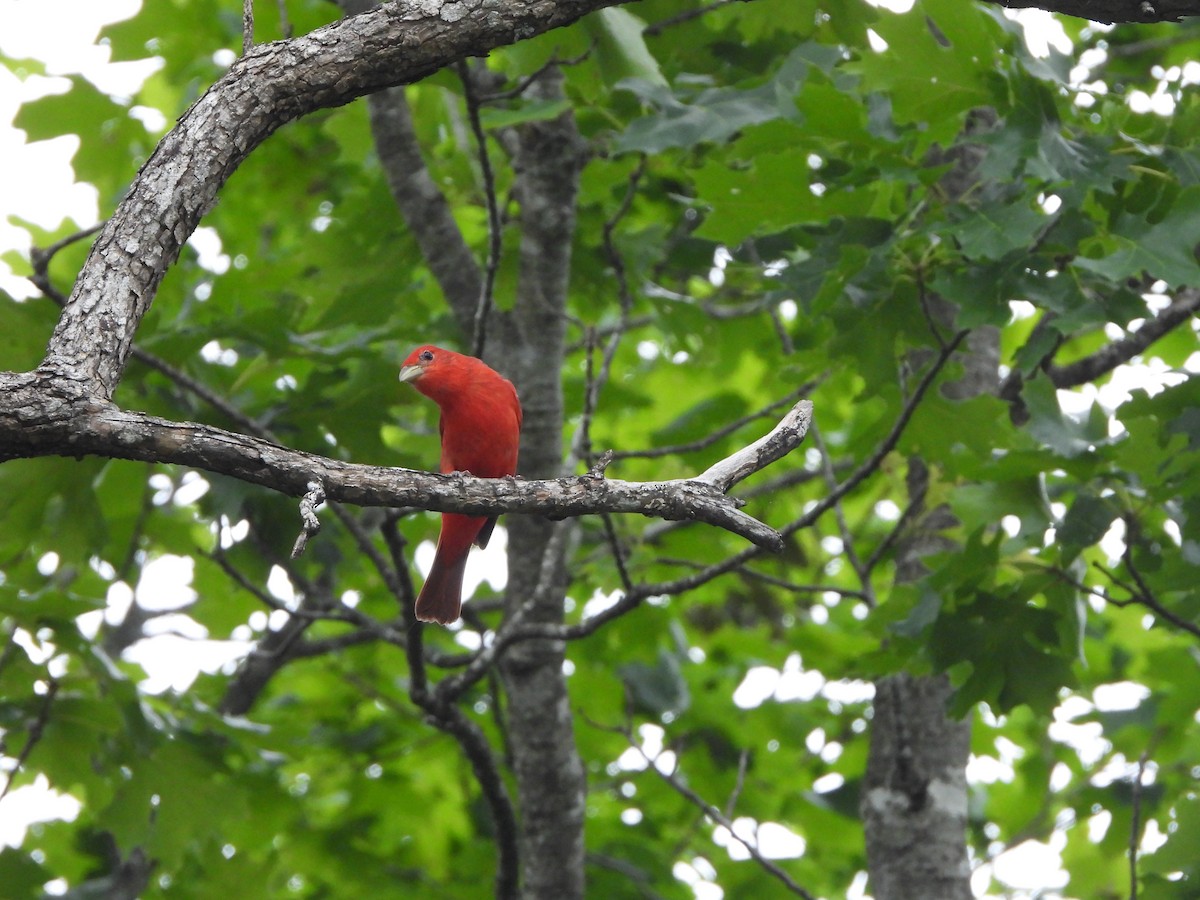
<point>1112,11</point>
<point>45,416</point>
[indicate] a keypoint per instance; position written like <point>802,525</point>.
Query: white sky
<point>36,181</point>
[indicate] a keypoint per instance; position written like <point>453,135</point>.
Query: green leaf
<point>621,48</point>
<point>537,111</point>
<point>685,118</point>
<point>21,876</point>
<point>1087,520</point>
<point>659,688</point>
<point>1161,251</point>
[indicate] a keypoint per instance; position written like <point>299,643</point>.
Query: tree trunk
<point>550,777</point>
<point>915,803</point>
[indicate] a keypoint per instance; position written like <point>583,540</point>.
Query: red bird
<point>481,430</point>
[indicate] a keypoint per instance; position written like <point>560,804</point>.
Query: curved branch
<point>396,43</point>
<point>42,416</point>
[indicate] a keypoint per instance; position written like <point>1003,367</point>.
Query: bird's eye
<point>427,356</point>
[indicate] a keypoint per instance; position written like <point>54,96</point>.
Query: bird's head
<point>421,361</point>
<point>442,375</point>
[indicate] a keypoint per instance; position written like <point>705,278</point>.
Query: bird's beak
<point>411,373</point>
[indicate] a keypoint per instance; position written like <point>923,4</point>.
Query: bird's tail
<point>440,599</point>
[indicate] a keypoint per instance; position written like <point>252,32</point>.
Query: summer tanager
<point>481,430</point>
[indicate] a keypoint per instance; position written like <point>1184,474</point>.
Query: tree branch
<point>714,815</point>
<point>1113,354</point>
<point>42,416</point>
<point>1111,11</point>
<point>275,83</point>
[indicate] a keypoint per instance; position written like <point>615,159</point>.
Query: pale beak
<point>411,373</point>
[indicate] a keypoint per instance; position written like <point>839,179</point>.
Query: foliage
<point>800,217</point>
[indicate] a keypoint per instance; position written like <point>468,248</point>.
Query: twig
<point>792,587</point>
<point>447,717</point>
<point>1135,825</point>
<point>638,876</point>
<point>743,762</point>
<point>395,575</point>
<point>1136,598</point>
<point>860,569</point>
<point>785,338</point>
<point>36,730</point>
<point>554,62</point>
<point>860,474</point>
<point>581,445</point>
<point>39,260</point>
<point>659,27</point>
<point>285,24</point>
<point>1142,596</point>
<point>334,612</point>
<point>311,523</point>
<point>914,506</point>
<point>605,330</point>
<point>484,306</point>
<point>715,815</point>
<point>724,431</point>
<point>247,26</point>
<point>930,319</point>
<point>618,553</point>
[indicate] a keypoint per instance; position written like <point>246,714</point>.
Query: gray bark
<point>396,43</point>
<point>914,801</point>
<point>530,343</point>
<point>42,415</point>
<point>1112,11</point>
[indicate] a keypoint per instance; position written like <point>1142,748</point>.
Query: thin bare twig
<point>484,306</point>
<point>713,814</point>
<point>914,506</point>
<point>247,26</point>
<point>618,553</point>
<point>285,24</point>
<point>868,467</point>
<point>657,28</point>
<point>581,444</point>
<point>743,763</point>
<point>310,522</point>
<point>36,730</point>
<point>723,432</point>
<point>860,569</point>
<point>39,260</point>
<point>1135,598</point>
<point>1135,825</point>
<point>444,715</point>
<point>554,62</point>
<point>1141,595</point>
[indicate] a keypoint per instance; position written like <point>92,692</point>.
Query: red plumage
<point>481,430</point>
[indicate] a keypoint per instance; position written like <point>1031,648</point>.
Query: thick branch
<point>52,417</point>
<point>396,43</point>
<point>1112,11</point>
